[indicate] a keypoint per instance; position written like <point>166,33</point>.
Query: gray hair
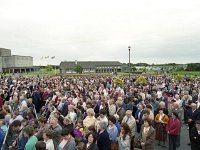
<point>102,125</point>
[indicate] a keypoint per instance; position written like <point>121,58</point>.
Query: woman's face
<point>90,138</point>
<point>44,136</point>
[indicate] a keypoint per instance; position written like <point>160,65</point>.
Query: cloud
<point>102,30</point>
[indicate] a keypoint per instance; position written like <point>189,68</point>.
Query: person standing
<point>147,135</point>
<point>32,139</point>
<point>173,130</point>
<point>192,117</point>
<point>130,120</point>
<point>195,136</point>
<point>161,120</point>
<point>103,141</point>
<point>124,140</point>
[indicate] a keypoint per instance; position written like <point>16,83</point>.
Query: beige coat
<point>150,138</point>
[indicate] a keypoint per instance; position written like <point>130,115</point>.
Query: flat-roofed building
<point>14,63</point>
<point>91,66</point>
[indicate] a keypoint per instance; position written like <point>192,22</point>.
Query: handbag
<point>114,146</point>
<point>138,144</point>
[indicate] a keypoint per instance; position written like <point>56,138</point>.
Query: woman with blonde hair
<point>90,119</point>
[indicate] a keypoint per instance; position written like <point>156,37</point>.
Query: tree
<point>78,69</point>
<point>141,80</point>
<point>49,68</point>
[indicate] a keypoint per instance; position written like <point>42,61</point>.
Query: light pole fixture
<point>129,49</point>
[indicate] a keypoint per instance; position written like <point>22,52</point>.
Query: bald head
<point>193,106</point>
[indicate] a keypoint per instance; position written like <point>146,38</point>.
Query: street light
<point>129,49</point>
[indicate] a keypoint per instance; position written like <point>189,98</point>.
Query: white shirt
<point>49,144</point>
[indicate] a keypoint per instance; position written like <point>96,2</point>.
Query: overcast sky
<point>158,31</point>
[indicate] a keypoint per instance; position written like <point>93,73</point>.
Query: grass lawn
<point>188,73</point>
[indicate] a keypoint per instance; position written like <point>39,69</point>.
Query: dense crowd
<point>93,113</point>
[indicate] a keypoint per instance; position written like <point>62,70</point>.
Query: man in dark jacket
<point>193,115</point>
<point>36,100</point>
<point>195,136</point>
<point>103,141</point>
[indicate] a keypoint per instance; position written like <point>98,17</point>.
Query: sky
<point>89,30</point>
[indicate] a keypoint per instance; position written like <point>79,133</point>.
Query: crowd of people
<point>94,113</point>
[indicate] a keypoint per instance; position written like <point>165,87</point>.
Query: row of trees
<point>193,67</point>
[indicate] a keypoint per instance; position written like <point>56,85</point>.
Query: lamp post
<point>129,49</point>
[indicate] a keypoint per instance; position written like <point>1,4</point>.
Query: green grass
<point>188,73</point>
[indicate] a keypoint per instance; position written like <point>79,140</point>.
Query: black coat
<point>93,146</point>
<point>103,141</point>
<point>64,111</point>
<point>195,139</point>
<point>194,116</point>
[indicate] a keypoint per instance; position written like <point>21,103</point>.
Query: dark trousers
<point>132,143</point>
<point>190,129</point>
<point>172,142</point>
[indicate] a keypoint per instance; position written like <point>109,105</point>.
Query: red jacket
<point>173,126</point>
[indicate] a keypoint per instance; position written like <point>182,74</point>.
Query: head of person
<point>67,121</point>
<point>146,114</point>
<point>198,125</point>
<point>175,115</point>
<point>161,111</point>
<point>42,121</point>
<point>90,112</point>
<point>111,120</point>
<point>40,145</point>
<point>66,134</point>
<point>91,137</point>
<point>176,105</point>
<point>128,113</point>
<point>140,106</point>
<point>71,108</point>
<point>102,125</point>
<point>148,106</point>
<point>162,104</point>
<point>53,122</point>
<point>28,131</point>
<point>47,134</point>
<point>147,123</point>
<point>193,106</point>
<point>102,113</point>
<point>125,129</point>
<point>16,125</point>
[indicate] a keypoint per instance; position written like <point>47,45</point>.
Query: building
<point>14,63</point>
<point>91,66</point>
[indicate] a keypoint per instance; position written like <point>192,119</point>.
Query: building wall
<point>22,61</point>
<point>17,61</point>
<point>5,52</point>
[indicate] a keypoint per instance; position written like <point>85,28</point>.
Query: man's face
<point>198,126</point>
<point>145,116</point>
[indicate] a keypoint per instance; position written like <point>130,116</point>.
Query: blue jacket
<point>2,134</point>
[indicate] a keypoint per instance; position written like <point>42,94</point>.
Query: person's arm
<point>125,143</point>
